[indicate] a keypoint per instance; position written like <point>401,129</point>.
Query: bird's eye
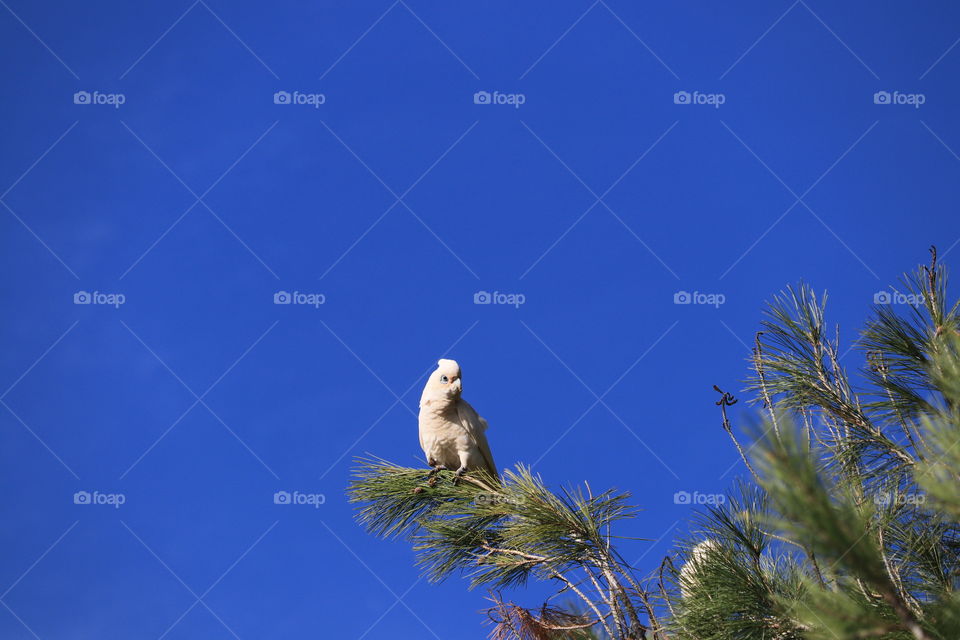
<point>444,379</point>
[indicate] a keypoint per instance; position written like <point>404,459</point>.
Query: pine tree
<point>847,525</point>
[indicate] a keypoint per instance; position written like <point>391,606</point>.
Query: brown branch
<point>514,621</point>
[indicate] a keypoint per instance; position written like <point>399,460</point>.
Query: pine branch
<point>504,534</point>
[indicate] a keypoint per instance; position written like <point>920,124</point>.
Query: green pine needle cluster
<point>850,527</point>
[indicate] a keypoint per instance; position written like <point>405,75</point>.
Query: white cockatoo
<point>690,571</point>
<point>452,434</point>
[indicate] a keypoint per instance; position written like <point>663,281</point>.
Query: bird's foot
<point>460,472</point>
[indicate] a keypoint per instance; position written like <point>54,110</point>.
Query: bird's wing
<point>476,427</point>
<point>424,427</point>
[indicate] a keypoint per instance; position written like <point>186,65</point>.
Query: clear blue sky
<point>398,198</point>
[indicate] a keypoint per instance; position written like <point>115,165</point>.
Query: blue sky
<point>618,183</point>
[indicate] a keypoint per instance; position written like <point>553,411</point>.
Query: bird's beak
<point>457,386</point>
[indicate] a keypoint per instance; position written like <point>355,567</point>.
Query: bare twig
<point>726,400</point>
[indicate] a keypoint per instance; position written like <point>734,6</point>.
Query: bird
<point>692,569</point>
<point>452,434</point>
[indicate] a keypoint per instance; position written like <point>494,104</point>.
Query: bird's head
<point>444,384</point>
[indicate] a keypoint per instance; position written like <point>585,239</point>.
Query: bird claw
<point>459,474</point>
<point>432,476</point>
